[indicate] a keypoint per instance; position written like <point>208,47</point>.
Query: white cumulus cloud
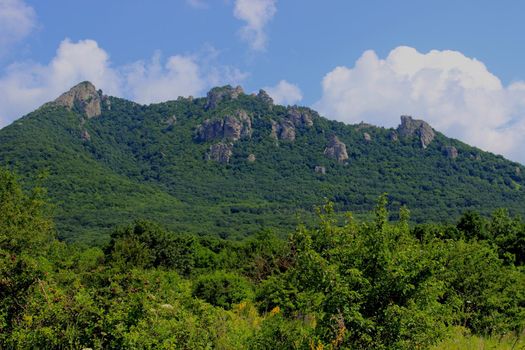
<point>256,14</point>
<point>284,93</point>
<point>456,94</point>
<point>26,85</point>
<point>17,20</point>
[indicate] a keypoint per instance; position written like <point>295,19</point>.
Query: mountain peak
<point>83,97</point>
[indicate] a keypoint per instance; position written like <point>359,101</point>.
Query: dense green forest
<point>233,164</point>
<point>332,284</point>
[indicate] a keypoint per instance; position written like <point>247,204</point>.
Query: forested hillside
<point>373,284</point>
<point>233,164</point>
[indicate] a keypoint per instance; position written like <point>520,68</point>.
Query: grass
<point>461,340</point>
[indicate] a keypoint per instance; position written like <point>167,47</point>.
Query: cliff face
<point>232,127</point>
<point>410,127</point>
<point>84,97</point>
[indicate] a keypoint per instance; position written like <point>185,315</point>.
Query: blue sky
<point>457,64</point>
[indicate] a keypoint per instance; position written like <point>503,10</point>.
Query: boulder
<point>336,149</point>
<point>410,127</point>
<point>393,136</point>
<point>451,152</point>
<point>84,97</point>
<point>320,169</point>
<point>251,158</point>
<point>220,152</point>
<point>367,137</point>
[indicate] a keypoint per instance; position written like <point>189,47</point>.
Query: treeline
<point>355,285</point>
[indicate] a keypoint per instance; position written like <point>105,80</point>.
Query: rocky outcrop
<point>263,96</point>
<point>393,136</point>
<point>451,152</point>
<point>410,127</point>
<point>83,97</point>
<point>320,169</point>
<point>251,158</point>
<point>367,137</point>
<point>219,94</point>
<point>363,125</point>
<point>231,127</point>
<point>336,149</point>
<point>287,128</point>
<point>300,117</point>
<point>170,121</point>
<point>284,130</point>
<point>220,152</point>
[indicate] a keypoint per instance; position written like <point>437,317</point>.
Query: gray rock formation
<point>231,127</point>
<point>336,149</point>
<point>300,117</point>
<point>451,152</point>
<point>251,158</point>
<point>320,169</point>
<point>171,120</point>
<point>83,97</point>
<point>263,96</point>
<point>393,136</point>
<point>220,152</point>
<point>367,137</point>
<point>295,118</point>
<point>284,130</point>
<point>219,94</point>
<point>410,127</point>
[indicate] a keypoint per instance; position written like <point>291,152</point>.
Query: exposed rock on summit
<point>336,149</point>
<point>219,94</point>
<point>263,96</point>
<point>83,97</point>
<point>220,152</point>
<point>410,127</point>
<point>231,127</point>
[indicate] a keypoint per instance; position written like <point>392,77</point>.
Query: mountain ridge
<point>233,164</point>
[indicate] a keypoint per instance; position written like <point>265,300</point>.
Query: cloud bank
<point>25,86</point>
<point>256,14</point>
<point>17,20</point>
<point>456,94</point>
<point>284,93</point>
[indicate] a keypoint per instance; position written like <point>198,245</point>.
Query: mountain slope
<point>233,164</point>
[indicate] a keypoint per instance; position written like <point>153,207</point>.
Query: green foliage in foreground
<point>361,285</point>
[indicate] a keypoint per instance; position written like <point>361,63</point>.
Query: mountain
<point>232,164</point>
